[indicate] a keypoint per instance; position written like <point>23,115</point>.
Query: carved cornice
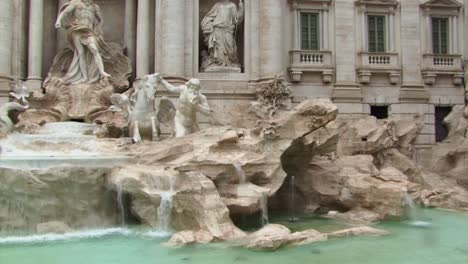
<point>295,4</point>
<point>446,4</point>
<point>386,3</point>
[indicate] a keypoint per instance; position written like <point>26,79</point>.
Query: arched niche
<point>204,7</point>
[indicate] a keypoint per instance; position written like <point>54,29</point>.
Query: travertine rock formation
<point>77,197</point>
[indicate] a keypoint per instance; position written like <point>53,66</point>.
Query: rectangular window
<point>381,112</point>
<point>376,27</point>
<point>440,35</point>
<point>310,39</point>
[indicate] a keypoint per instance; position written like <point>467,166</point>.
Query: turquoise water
<point>446,241</point>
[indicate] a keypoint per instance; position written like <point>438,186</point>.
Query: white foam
<point>67,236</point>
<point>156,234</point>
<point>420,224</point>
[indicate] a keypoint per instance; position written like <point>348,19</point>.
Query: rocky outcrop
<point>189,237</point>
<point>244,165</point>
<point>273,236</point>
<point>77,197</point>
<point>359,231</point>
<point>193,202</point>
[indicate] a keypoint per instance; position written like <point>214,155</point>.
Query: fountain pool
<point>446,241</point>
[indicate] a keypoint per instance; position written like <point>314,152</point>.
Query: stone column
<point>428,31</point>
<point>325,27</point>
<point>143,39</point>
<point>391,22</point>
<point>271,38</point>
<point>346,89</point>
<point>6,36</point>
<point>172,38</point>
<point>35,42</point>
<point>62,42</point>
<point>20,36</point>
<point>130,34</point>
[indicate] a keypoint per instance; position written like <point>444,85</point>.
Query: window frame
<point>319,25</point>
<point>385,32</point>
<point>448,38</point>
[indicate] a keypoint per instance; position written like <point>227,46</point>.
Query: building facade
<point>379,57</point>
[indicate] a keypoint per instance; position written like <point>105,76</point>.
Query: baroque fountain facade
<point>219,135</point>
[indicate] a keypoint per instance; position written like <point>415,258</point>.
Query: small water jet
<point>120,203</point>
<point>165,207</point>
<point>240,172</point>
<point>413,212</point>
<point>264,208</point>
<point>292,217</point>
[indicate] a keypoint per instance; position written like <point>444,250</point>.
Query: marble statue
<point>83,21</point>
<point>219,27</point>
<point>20,93</point>
<point>140,108</point>
<point>190,102</point>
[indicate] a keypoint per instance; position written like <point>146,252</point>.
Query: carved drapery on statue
<point>80,62</point>
<point>219,28</point>
<point>83,76</point>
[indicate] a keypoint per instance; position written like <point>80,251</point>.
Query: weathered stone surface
<point>273,236</point>
<point>53,227</point>
<point>359,231</point>
<point>188,237</point>
<point>306,237</point>
<point>77,197</point>
<point>370,136</point>
<point>351,183</point>
<point>196,204</point>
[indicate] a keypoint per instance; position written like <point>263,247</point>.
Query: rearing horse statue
<point>143,116</point>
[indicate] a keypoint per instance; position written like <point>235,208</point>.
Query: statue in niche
<point>219,29</point>
<point>190,102</point>
<point>83,76</point>
<point>83,21</point>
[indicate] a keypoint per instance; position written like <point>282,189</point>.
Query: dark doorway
<point>441,112</point>
<point>380,112</point>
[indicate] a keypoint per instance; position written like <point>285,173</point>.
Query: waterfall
<point>292,217</point>
<point>264,208</point>
<point>413,212</point>
<point>165,207</point>
<point>240,173</point>
<point>120,203</point>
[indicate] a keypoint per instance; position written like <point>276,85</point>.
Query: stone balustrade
<point>311,61</point>
<point>380,62</point>
<point>442,64</point>
<point>371,60</point>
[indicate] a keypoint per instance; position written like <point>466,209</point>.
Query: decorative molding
<point>316,4</point>
<point>449,4</point>
<point>386,3</point>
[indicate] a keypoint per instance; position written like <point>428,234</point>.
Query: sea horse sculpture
<point>141,111</point>
<point>6,124</point>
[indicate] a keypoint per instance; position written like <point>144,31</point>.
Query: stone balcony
<point>385,62</point>
<point>442,64</point>
<point>311,61</point>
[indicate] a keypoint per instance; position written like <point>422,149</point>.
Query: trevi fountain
<point>97,169</point>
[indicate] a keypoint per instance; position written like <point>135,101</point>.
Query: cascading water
<point>54,145</point>
<point>240,172</point>
<point>264,208</point>
<point>414,213</point>
<point>165,207</point>
<point>120,203</point>
<point>292,217</point>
